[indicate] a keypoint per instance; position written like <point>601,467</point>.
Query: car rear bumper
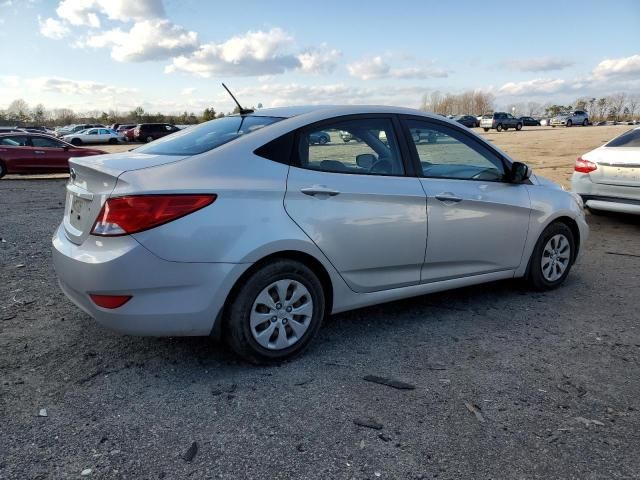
<point>168,298</point>
<point>614,198</point>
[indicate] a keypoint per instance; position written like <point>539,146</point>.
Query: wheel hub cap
<point>555,257</point>
<point>281,314</point>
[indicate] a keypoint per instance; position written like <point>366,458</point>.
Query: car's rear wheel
<point>518,126</point>
<point>276,313</point>
<point>113,141</point>
<point>499,127</point>
<point>76,141</point>
<point>569,123</point>
<point>148,139</point>
<point>486,129</point>
<point>585,122</point>
<point>3,169</point>
<point>552,257</point>
<point>323,140</point>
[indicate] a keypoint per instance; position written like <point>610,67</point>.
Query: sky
<point>171,55</point>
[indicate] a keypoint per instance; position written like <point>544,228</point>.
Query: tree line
<point>619,106</point>
<point>19,113</point>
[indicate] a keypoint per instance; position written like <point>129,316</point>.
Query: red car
<point>25,153</point>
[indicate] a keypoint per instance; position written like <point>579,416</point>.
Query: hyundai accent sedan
<point>244,228</point>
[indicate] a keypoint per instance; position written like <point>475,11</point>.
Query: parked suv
<point>500,121</point>
<point>77,128</point>
<point>577,117</point>
<point>147,132</point>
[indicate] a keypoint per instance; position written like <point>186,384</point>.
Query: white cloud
<point>147,40</point>
<point>542,64</point>
<point>75,87</point>
<point>320,59</point>
<point>625,66</point>
<point>86,12</point>
<point>538,86</point>
<point>376,68</point>
<point>187,91</point>
<point>52,28</point>
<point>251,54</point>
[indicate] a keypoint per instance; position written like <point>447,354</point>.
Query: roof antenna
<point>243,111</point>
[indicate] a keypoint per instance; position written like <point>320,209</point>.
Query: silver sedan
<point>245,228</point>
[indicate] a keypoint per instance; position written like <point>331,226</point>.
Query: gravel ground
<point>508,383</point>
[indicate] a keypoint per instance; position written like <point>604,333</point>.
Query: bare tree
<point>19,111</point>
<point>617,102</point>
<point>39,114</point>
<point>632,104</point>
<point>533,109</point>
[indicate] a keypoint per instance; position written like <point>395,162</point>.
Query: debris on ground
<point>475,410</point>
<point>43,412</point>
<point>587,423</point>
<point>368,422</point>
<point>389,382</point>
<point>86,472</point>
<point>191,452</point>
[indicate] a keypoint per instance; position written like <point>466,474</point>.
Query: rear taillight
<point>125,215</point>
<point>585,166</point>
<point>110,301</point>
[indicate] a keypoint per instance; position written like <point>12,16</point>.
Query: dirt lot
<point>550,379</point>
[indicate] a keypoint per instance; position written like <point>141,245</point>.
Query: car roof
<point>339,110</point>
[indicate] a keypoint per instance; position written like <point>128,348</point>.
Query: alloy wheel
<point>556,257</point>
<point>281,314</point>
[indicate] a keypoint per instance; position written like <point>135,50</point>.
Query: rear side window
<point>14,141</point>
<point>44,142</point>
<point>207,136</point>
<point>627,139</point>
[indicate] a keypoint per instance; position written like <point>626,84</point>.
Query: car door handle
<point>39,152</point>
<point>319,190</point>
<point>448,197</point>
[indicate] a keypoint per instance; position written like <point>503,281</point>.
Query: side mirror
<point>66,148</point>
<point>519,172</point>
<point>365,160</point>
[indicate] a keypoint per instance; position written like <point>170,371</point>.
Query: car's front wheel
<point>276,313</point>
<point>552,257</point>
<point>3,169</point>
<point>569,123</point>
<point>486,129</point>
<point>76,141</point>
<point>149,139</point>
<point>499,127</point>
<point>585,122</point>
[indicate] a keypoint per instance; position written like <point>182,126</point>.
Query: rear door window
<point>14,141</point>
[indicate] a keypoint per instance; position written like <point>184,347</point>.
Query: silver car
<point>608,178</point>
<point>243,228</point>
<point>577,117</point>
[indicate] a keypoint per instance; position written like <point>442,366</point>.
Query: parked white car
<point>94,135</point>
<point>608,178</point>
<point>245,228</point>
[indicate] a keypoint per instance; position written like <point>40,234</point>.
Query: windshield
<point>207,136</point>
<point>627,139</point>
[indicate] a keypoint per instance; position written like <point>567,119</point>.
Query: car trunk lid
<point>91,182</point>
<point>616,166</point>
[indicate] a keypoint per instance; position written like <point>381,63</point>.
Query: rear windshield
<point>490,115</point>
<point>206,136</point>
<point>627,139</point>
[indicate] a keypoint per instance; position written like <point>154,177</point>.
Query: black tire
<point>76,141</point>
<point>518,127</point>
<point>585,123</point>
<point>499,127</point>
<point>486,129</point>
<point>113,141</point>
<point>535,276</point>
<point>345,140</point>
<point>323,140</point>
<point>3,169</point>
<point>569,123</point>
<point>237,329</point>
<point>148,139</point>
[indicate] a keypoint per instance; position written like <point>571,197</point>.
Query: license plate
<point>77,212</point>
